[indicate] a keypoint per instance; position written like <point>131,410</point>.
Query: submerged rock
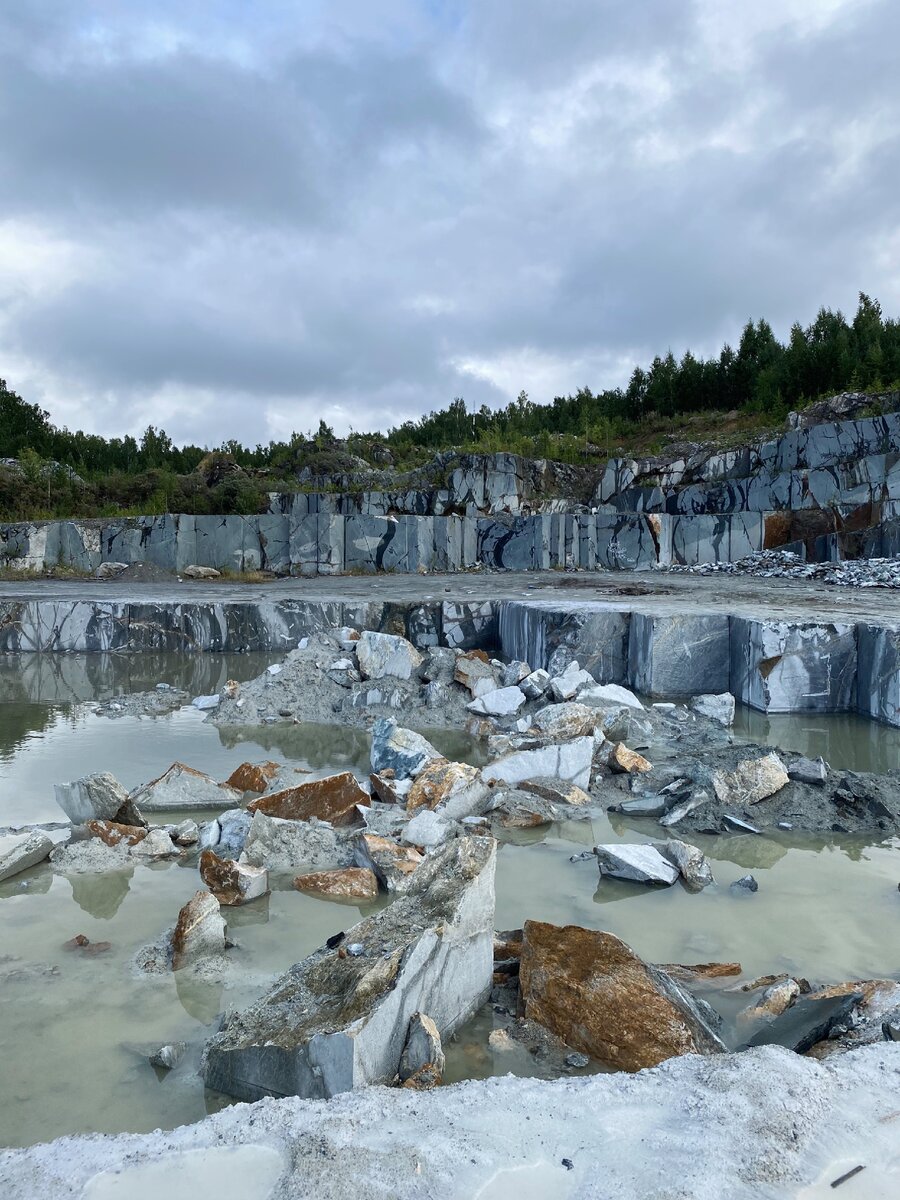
<point>24,852</point>
<point>348,883</point>
<point>593,991</point>
<point>638,863</point>
<point>333,1023</point>
<point>199,931</point>
<point>334,799</point>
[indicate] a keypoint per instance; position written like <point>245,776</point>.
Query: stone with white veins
<point>597,694</point>
<point>535,684</point>
<point>183,787</point>
<point>99,796</point>
<point>20,853</point>
<point>401,750</point>
<point>752,780</point>
<point>333,1023</point>
<point>693,865</point>
<point>427,829</point>
<point>383,654</point>
<point>568,760</point>
<point>502,702</point>
<point>566,685</point>
<point>199,931</point>
<point>718,708</point>
<point>638,863</point>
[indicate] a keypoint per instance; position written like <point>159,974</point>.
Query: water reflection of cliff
<point>339,746</point>
<point>70,678</point>
<point>19,722</point>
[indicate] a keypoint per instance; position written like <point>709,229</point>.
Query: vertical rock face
<point>783,666</point>
<point>678,655</point>
<point>593,991</point>
<point>199,931</point>
<point>340,1019</point>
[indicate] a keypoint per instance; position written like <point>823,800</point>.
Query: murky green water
<point>71,1027</point>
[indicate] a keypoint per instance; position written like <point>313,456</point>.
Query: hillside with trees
<point>742,391</point>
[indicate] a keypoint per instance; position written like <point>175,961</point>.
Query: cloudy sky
<point>234,217</point>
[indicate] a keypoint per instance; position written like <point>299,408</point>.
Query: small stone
<point>625,761</point>
<point>499,1040</point>
<point>205,703</point>
<point>502,702</point>
<point>168,1056</point>
<point>157,844</point>
<point>752,780</point>
<point>576,1061</point>
<point>807,770</point>
<point>423,1050</point>
<point>253,777</point>
<point>25,852</point>
<point>746,883</point>
<point>692,864</point>
<point>356,950</point>
<point>199,931</point>
<point>565,686</point>
<point>535,684</point>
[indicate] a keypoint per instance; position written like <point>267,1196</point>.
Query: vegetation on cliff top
<point>740,392</point>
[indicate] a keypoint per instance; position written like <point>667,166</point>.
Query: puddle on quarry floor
<point>74,1030</point>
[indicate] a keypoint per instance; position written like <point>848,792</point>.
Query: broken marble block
<point>502,702</point>
<point>346,883</point>
<point>182,787</point>
<point>457,789</point>
<point>637,863</point>
<point>99,796</point>
<point>692,864</point>
<point>334,798</point>
<point>253,777</point>
<point>565,686</point>
<point>340,1019</point>
<point>785,666</point>
<point>570,761</point>
<point>400,750</point>
<point>20,853</point>
<point>232,883</point>
<point>716,707</point>
<point>422,1061</point>
<point>291,845</point>
<point>199,931</point>
<point>392,864</point>
<point>383,654</point>
<point>752,780</point>
<point>592,990</point>
<point>598,695</point>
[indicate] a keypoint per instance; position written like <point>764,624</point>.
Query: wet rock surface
<point>336,1022</point>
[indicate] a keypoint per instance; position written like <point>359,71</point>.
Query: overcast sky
<point>233,218</point>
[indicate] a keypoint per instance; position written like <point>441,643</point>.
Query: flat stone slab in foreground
<point>339,1019</point>
<point>762,1125</point>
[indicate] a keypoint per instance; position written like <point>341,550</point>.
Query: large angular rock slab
<point>253,777</point>
<point>232,883</point>
<point>455,788</point>
<point>347,883</point>
<point>23,852</point>
<point>199,931</point>
<point>637,863</point>
<point>593,991</point>
<point>334,799</point>
<point>96,797</point>
<point>752,780</point>
<point>340,1020</point>
<point>402,751</point>
<point>183,787</point>
<point>290,845</point>
<point>382,654</point>
<point>570,761</point>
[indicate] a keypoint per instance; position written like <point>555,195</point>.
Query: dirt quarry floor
<point>660,592</point>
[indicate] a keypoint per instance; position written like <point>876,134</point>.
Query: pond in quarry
<point>75,1030</point>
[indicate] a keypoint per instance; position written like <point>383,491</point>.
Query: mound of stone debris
<point>784,564</point>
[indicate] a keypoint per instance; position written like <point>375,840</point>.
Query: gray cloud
<point>240,228</point>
